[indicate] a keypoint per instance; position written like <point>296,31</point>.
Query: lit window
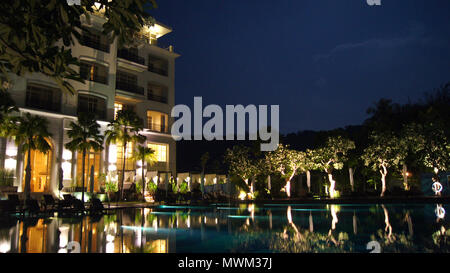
<point>117,108</point>
<point>157,121</point>
<point>160,151</point>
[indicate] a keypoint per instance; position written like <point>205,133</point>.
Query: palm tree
<point>85,135</point>
<point>125,129</point>
<point>7,109</point>
<point>144,154</point>
<point>31,133</point>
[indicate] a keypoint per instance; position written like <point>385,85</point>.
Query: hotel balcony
<point>129,87</point>
<point>95,78</point>
<point>130,56</point>
<point>157,98</point>
<point>129,60</point>
<point>157,70</point>
<point>91,42</point>
<point>156,127</point>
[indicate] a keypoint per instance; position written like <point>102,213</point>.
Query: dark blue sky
<point>323,61</point>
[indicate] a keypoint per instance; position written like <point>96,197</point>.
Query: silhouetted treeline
<point>384,115</point>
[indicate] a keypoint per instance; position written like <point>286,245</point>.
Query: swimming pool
<point>246,228</point>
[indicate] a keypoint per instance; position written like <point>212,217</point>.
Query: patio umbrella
<point>92,179</point>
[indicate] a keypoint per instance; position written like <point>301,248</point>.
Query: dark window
<point>94,72</point>
<point>130,54</point>
<point>157,93</point>
<point>95,40</point>
<point>92,104</point>
<point>158,65</point>
<point>128,82</point>
<point>42,97</point>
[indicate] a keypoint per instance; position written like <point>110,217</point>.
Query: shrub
<point>151,188</point>
<point>6,177</point>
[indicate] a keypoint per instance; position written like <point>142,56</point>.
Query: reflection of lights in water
<point>289,214</point>
<point>188,223</point>
<point>110,248</point>
<point>5,246</point>
<point>251,209</point>
<point>64,236</point>
<point>440,211</point>
<point>204,219</point>
<point>216,221</point>
<point>155,224</point>
<point>334,209</point>
<point>109,238</point>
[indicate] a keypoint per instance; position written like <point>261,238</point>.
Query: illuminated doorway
<point>41,164</point>
<point>92,159</point>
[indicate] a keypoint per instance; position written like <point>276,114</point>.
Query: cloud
<point>416,35</point>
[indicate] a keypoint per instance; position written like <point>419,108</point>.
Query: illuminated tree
<point>144,154</point>
<point>243,163</point>
<point>36,36</point>
<point>125,129</point>
<point>7,109</point>
<point>85,135</point>
<point>385,151</point>
<point>332,156</point>
<point>32,134</point>
<point>310,165</point>
<point>431,145</point>
<point>286,162</point>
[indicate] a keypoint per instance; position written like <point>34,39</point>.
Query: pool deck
<point>353,200</point>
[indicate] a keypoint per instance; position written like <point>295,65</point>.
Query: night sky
<point>323,61</point>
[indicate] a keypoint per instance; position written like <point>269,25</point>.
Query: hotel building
<point>138,77</point>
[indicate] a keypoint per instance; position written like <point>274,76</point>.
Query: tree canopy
<point>35,36</point>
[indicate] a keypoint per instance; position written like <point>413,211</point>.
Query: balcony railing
<point>98,113</point>
<point>95,78</point>
<point>155,127</point>
<point>36,103</point>
<point>153,97</point>
<point>127,55</point>
<point>157,70</point>
<point>89,42</point>
<point>132,88</point>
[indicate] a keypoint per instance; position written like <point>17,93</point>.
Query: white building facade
<point>139,77</point>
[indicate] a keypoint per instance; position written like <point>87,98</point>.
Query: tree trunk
<point>405,177</point>
<point>311,222</point>
<point>28,176</point>
<point>269,186</point>
<point>288,187</point>
<point>308,180</point>
<point>355,224</point>
<point>122,180</point>
<point>83,175</point>
<point>143,181</point>
<point>332,185</point>
<point>252,185</point>
<point>383,180</point>
<point>352,182</point>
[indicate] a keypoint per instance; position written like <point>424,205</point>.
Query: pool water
<point>246,228</point>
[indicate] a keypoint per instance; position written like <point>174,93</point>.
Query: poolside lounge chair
<point>7,207</point>
<point>96,206</point>
<point>78,205</point>
<point>15,202</point>
<point>50,202</point>
<point>32,206</point>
